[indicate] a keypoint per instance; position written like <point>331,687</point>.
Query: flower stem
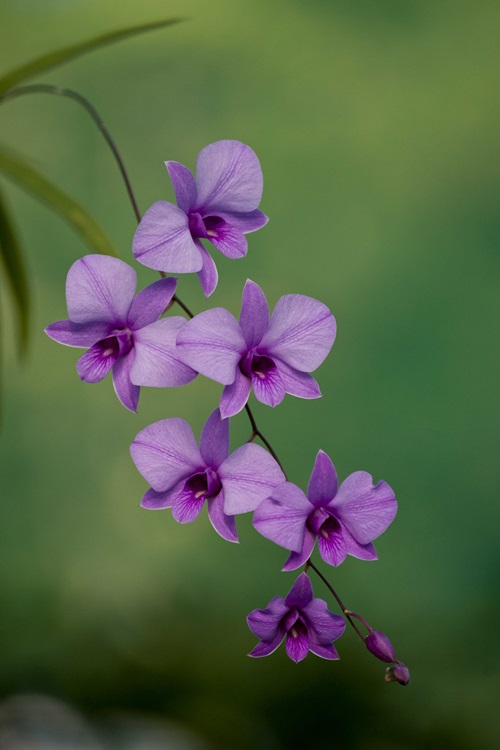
<point>44,88</point>
<point>347,612</point>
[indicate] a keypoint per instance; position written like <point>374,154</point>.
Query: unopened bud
<point>380,646</point>
<point>398,673</point>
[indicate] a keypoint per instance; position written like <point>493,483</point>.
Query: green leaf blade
<point>61,56</point>
<point>31,181</point>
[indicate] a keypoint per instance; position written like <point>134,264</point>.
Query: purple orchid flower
<point>306,622</point>
<point>124,332</point>
<point>345,521</point>
<point>273,355</point>
<point>183,476</point>
<point>219,206</point>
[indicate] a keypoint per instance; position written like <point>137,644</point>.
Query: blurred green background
<point>377,129</point>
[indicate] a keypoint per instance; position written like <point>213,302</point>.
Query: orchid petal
<point>230,241</point>
<point>184,185</point>
<point>212,343</point>
<point>265,648</point>
<point>297,559</point>
<point>331,544</point>
<point>325,652</point>
<point>160,500</point>
<point>248,476</point>
<point>254,316</point>
<point>268,387</point>
<point>166,452</point>
<point>326,626</point>
<point>163,241</point>
<point>235,395</point>
<point>208,275</point>
<point>301,332</point>
<point>301,592</point>
<point>297,383</point>
<point>151,302</point>
<point>361,551</point>
<point>229,178</point>
<point>157,363</point>
<point>282,517</point>
<point>78,334</point>
<point>99,289</point>
<point>187,506</point>
<point>323,483</point>
<point>223,524</point>
<point>366,510</point>
<point>264,623</point>
<point>214,440</point>
<point>297,645</point>
<point>246,222</point>
<point>94,365</point>
<point>127,393</point>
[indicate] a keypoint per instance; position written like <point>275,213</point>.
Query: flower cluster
<point>269,354</point>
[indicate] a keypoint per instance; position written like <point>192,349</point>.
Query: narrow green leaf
<point>15,271</point>
<point>53,59</point>
<point>33,182</point>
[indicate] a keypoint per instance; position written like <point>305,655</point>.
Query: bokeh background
<point>377,129</point>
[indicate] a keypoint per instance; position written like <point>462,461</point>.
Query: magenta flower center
<point>204,485</point>
<point>204,228</point>
<point>258,365</point>
<point>322,523</point>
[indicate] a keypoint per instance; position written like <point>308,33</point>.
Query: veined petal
<point>228,239</point>
<point>325,652</point>
<point>166,452</point>
<point>301,592</point>
<point>224,525</point>
<point>229,178</point>
<point>214,440</point>
<point>254,316</point>
<point>208,275</point>
<point>264,623</point>
<point>186,507</point>
<point>297,383</point>
<point>127,392</point>
<point>184,185</point>
<point>99,289</point>
<point>149,304</point>
<point>297,644</point>
<point>78,334</point>
<point>323,483</point>
<point>235,395</point>
<point>331,544</point>
<point>324,626</point>
<point>94,365</point>
<point>265,648</point>
<point>364,508</point>
<point>156,358</point>
<point>301,332</point>
<point>163,241</point>
<point>246,222</point>
<point>282,517</point>
<point>361,551</point>
<point>297,559</point>
<point>160,500</point>
<point>212,343</point>
<point>248,476</point>
<point>268,386</point>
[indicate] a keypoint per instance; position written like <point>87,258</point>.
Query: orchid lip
<point>256,364</point>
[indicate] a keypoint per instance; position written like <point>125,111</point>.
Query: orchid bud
<point>398,673</point>
<point>380,646</point>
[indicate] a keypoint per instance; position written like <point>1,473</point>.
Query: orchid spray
<point>271,355</point>
<point>129,335</point>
